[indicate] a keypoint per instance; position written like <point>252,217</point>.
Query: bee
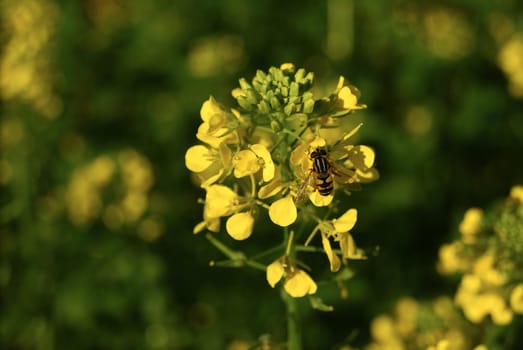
<point>321,176</point>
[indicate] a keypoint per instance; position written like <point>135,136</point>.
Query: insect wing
<point>302,194</point>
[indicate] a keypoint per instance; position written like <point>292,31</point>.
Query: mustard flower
<point>338,229</point>
<point>297,283</point>
<point>257,157</point>
<point>222,201</point>
<point>208,163</point>
<point>250,161</point>
<point>217,124</point>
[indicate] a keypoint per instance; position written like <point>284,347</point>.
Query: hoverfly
<point>321,176</point>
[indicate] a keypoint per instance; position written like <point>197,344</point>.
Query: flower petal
<point>275,272</point>
<point>245,163</point>
<point>268,165</point>
<point>347,221</point>
<point>320,201</point>
<point>219,201</point>
<point>300,284</point>
<point>350,100</point>
<point>198,158</point>
<point>283,212</point>
<point>210,108</point>
<point>334,261</point>
<point>348,247</point>
<point>239,226</point>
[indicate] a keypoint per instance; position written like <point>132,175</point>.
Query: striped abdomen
<point>321,168</point>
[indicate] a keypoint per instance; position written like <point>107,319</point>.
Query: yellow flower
<point>208,163</point>
<point>222,201</point>
<point>516,299</point>
<point>484,268</point>
<point>477,305</point>
<point>215,128</point>
<point>297,282</point>
<point>250,161</point>
<point>516,192</point>
<point>339,230</point>
<point>471,225</point>
<point>283,212</point>
<point>449,259</point>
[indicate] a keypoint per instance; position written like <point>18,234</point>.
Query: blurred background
<point>101,99</point>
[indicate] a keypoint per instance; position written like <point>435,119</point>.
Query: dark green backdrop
<point>117,75</point>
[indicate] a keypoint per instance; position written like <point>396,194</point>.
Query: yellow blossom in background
<point>471,225</point>
<point>25,72</point>
<point>510,60</point>
<point>516,299</point>
<point>449,259</point>
<point>132,174</point>
<point>516,192</point>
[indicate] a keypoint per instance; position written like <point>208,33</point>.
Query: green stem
<point>293,325</point>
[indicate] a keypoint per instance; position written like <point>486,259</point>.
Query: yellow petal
<point>267,163</point>
<point>320,201</point>
<point>346,222</point>
<point>287,66</point>
<point>362,157</point>
<point>275,272</point>
<point>516,299</point>
<point>299,153</point>
<point>210,108</point>
<point>348,247</point>
<point>239,226</point>
<point>219,201</point>
<point>245,163</point>
<point>317,142</point>
<point>300,284</point>
<point>350,100</point>
<point>367,176</point>
<point>334,261</point>
<point>283,212</point>
<point>198,158</point>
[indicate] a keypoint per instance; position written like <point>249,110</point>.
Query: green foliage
<point>85,84</point>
